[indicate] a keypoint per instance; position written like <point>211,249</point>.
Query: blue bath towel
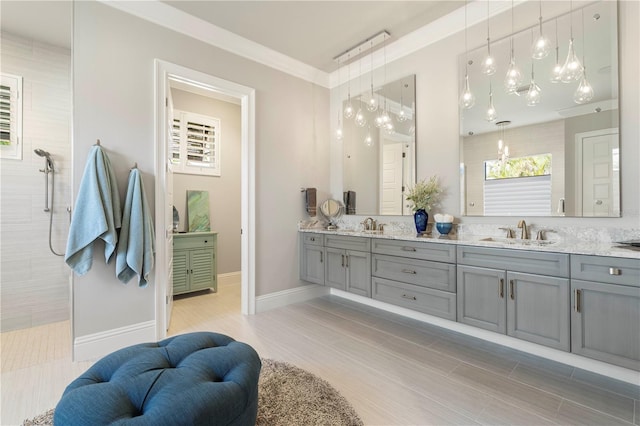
<point>96,214</point>
<point>136,248</point>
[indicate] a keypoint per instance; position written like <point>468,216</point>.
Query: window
<point>195,144</point>
<point>11,117</point>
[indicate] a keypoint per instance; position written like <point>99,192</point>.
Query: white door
<point>599,173</point>
<point>391,196</point>
<point>169,208</point>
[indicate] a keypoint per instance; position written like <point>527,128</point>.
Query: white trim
<point>93,346</point>
<point>167,16</point>
<point>163,70</point>
<point>613,371</point>
<point>287,297</point>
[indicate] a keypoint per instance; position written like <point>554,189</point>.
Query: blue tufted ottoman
<point>191,379</point>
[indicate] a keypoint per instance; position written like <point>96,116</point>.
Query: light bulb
<point>488,65</point>
<point>513,78</point>
<point>372,103</point>
<point>541,47</point>
<point>368,140</point>
<point>360,120</point>
<point>339,133</point>
<point>348,110</point>
<point>584,92</point>
<point>388,127</point>
<point>491,114</point>
<point>402,116</point>
<point>533,95</point>
<point>556,73</point>
<point>572,68</point>
<point>385,118</point>
<point>467,99</point>
<point>378,121</point>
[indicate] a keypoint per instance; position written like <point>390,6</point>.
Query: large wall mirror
<point>379,162</point>
<point>559,156</point>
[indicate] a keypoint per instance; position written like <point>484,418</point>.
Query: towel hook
<point>135,165</point>
<point>98,142</point>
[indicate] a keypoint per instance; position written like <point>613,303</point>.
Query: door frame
<point>246,96</point>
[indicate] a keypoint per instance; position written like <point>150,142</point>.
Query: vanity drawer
<point>602,269</point>
<point>415,250</point>
<point>348,243</point>
<point>423,273</point>
<point>193,240</point>
<point>427,300</point>
<point>532,262</point>
<point>312,239</point>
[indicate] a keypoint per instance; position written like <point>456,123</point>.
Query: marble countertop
<point>555,246</point>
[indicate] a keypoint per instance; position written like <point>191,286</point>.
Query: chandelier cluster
<point>571,71</point>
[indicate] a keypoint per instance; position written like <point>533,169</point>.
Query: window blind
<point>524,196</point>
<point>195,143</point>
<point>10,116</point>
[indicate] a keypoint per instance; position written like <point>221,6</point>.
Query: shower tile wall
<point>35,284</point>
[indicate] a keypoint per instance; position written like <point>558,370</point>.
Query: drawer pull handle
<point>577,297</point>
<point>501,288</point>
<point>404,296</point>
<point>615,271</point>
<point>346,261</point>
<point>321,260</point>
<point>408,271</point>
<point>511,286</point>
<point>408,248</point>
<point>312,239</point>
<point>343,260</point>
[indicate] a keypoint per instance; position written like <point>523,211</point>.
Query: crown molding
<point>174,19</point>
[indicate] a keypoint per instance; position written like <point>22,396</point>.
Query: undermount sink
<point>514,241</point>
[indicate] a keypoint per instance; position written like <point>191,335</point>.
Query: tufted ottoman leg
<point>192,379</point>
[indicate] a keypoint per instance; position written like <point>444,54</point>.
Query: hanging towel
<point>351,202</point>
<point>96,213</point>
<point>311,201</point>
<point>136,248</point>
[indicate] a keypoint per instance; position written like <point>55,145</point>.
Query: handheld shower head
<point>42,153</point>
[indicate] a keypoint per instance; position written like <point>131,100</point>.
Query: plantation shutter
<point>11,117</point>
<point>522,196</point>
<point>195,144</point>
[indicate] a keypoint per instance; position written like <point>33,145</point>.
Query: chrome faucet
<point>525,232</point>
<point>369,224</point>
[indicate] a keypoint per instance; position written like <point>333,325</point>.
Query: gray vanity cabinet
<point>509,297</point>
<point>312,258</point>
<point>348,264</point>
<point>605,317</point>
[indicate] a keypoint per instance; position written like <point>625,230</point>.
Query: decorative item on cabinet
<point>194,262</point>
<point>424,195</point>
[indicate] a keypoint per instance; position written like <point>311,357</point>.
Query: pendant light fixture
<point>513,78</point>
<point>360,119</point>
<point>542,45</point>
<point>489,63</point>
<point>384,117</point>
<point>402,115</point>
<point>572,68</point>
<point>339,131</point>
<point>372,102</point>
<point>491,113</point>
<point>368,140</point>
<point>348,108</point>
<point>556,72</point>
<point>584,92</point>
<point>533,94</point>
<point>467,98</point>
<point>503,149</point>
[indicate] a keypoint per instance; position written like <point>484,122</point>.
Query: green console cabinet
<point>194,262</point>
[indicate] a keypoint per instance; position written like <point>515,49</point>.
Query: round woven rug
<point>287,395</point>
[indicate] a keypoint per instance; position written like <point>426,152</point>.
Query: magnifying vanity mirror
<point>379,162</point>
<point>332,210</point>
<point>557,157</point>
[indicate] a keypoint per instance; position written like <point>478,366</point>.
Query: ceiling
<point>312,32</point>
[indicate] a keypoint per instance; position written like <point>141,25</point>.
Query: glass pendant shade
<point>388,127</point>
<point>533,94</point>
<point>368,140</point>
<point>372,103</point>
<point>348,109</point>
<point>467,99</point>
<point>572,68</point>
<point>491,114</point>
<point>541,47</point>
<point>339,133</point>
<point>513,78</point>
<point>584,92</point>
<point>360,120</point>
<point>556,73</point>
<point>379,121</point>
<point>402,116</point>
<point>488,65</point>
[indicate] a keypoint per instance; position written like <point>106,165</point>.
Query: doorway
<point>164,71</point>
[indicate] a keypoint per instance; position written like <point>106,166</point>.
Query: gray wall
<point>113,101</point>
<point>438,141</point>
<point>224,190</point>
<point>35,283</point>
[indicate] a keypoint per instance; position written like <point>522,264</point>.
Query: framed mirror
<point>379,163</point>
<point>556,157</point>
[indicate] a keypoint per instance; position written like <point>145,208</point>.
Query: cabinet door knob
<point>312,239</point>
<point>615,271</point>
<point>206,241</point>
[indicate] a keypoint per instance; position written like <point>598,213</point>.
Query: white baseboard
<point>97,345</point>
<point>287,297</point>
<point>229,278</point>
<point>613,371</point>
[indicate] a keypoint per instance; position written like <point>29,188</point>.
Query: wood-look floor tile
<point>615,386</point>
<point>571,413</point>
<point>492,361</point>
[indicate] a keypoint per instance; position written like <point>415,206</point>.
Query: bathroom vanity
<point>579,299</point>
